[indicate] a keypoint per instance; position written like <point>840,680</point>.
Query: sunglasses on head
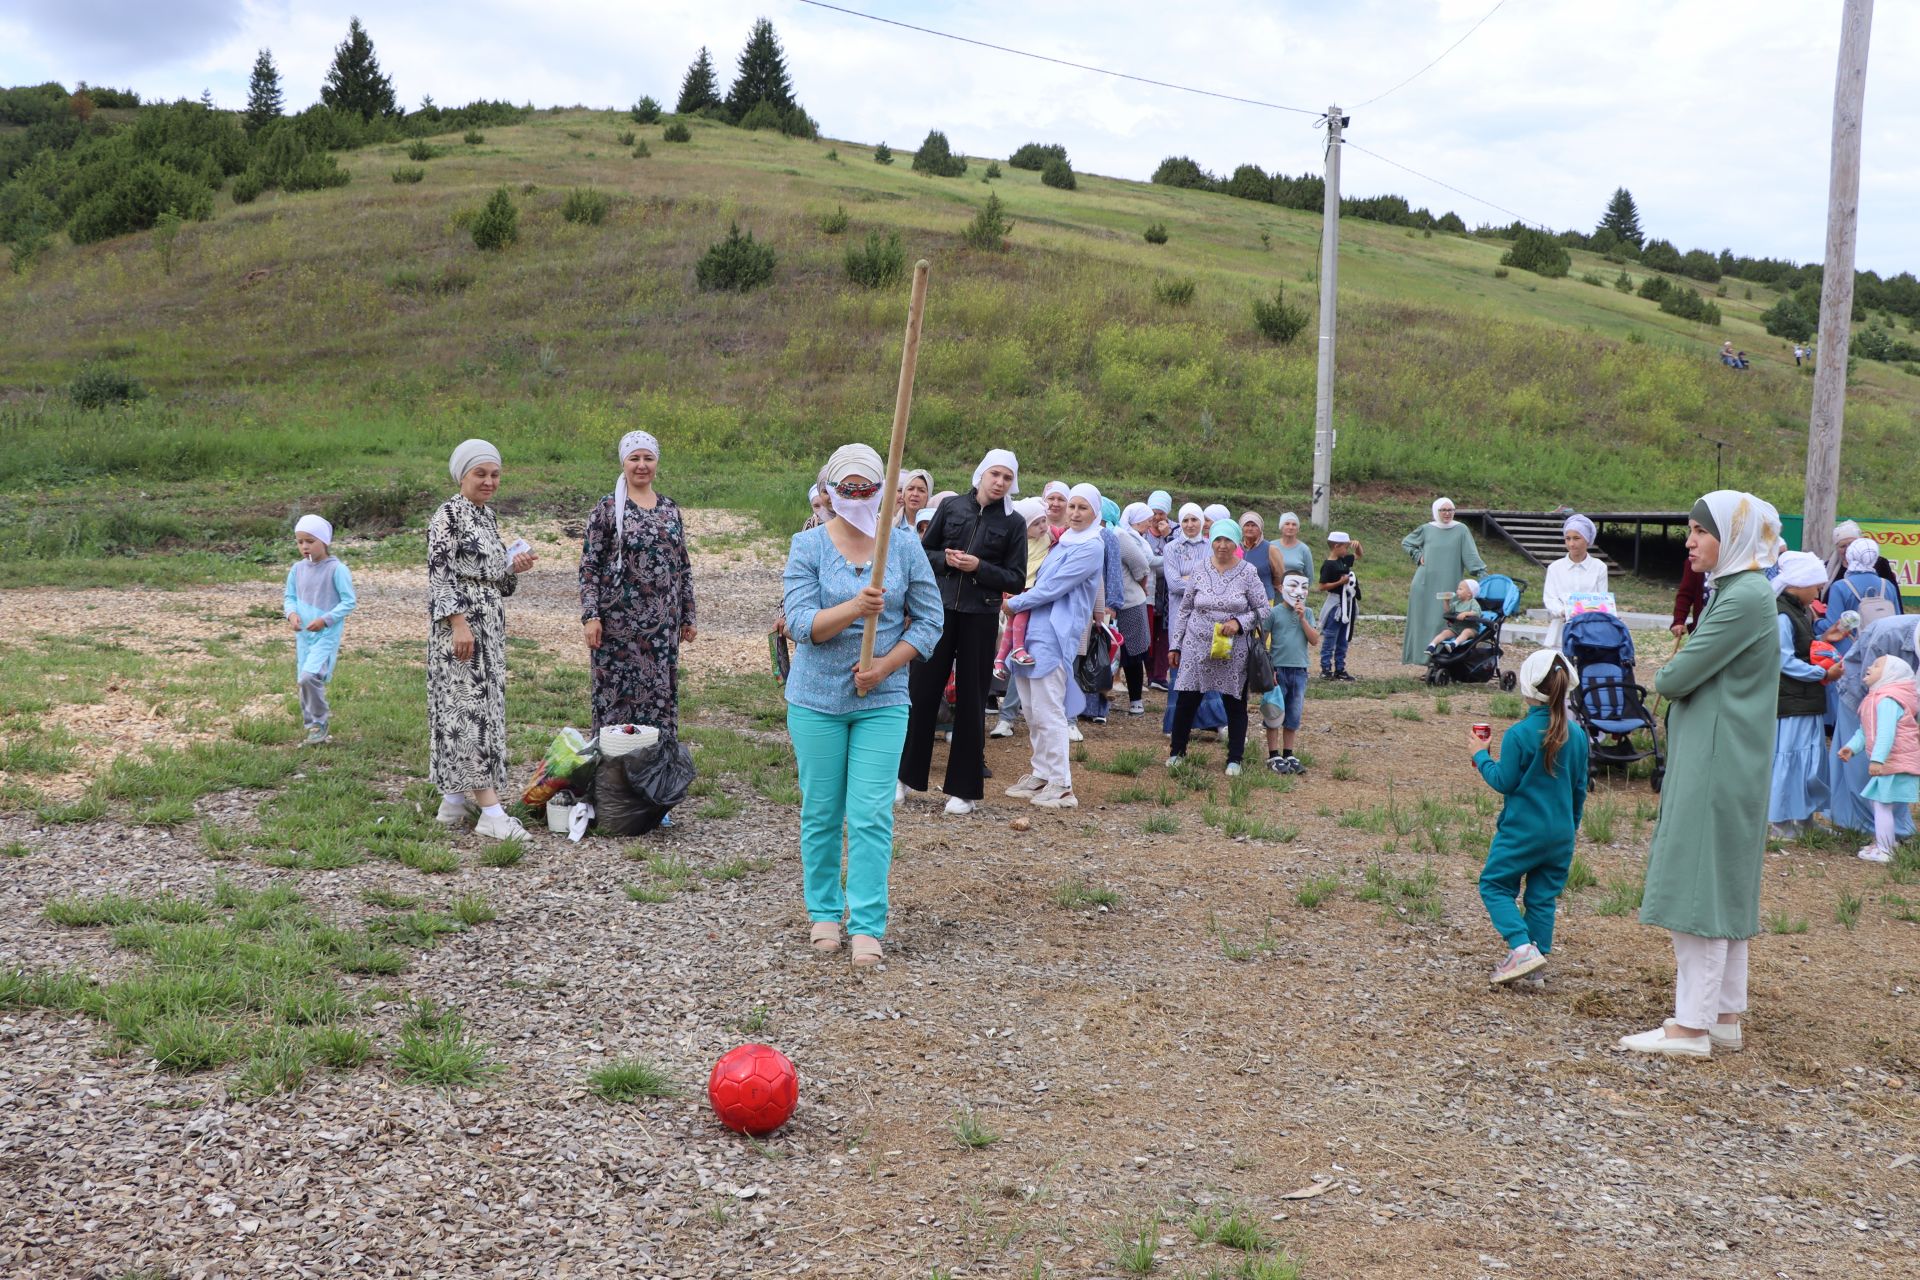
<point>855,490</point>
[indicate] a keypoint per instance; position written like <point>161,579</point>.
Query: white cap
<point>1337,536</point>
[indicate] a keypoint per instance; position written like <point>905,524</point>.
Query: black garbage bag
<point>632,793</point>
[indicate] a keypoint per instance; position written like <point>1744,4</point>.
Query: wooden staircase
<point>1535,535</point>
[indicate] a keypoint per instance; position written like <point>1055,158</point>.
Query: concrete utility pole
<point>1836,285</point>
<point>1329,294</point>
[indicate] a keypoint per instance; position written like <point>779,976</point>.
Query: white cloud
<point>1716,116</point>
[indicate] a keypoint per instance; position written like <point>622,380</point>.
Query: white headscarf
<point>1799,569</point>
<point>1215,512</point>
<point>1748,529</point>
<point>1000,458</point>
<point>1055,486</point>
<point>1287,517</point>
<point>1536,668</point>
<point>1437,504</point>
<point>1891,669</point>
<point>1030,509</point>
<point>1862,554</point>
<point>469,454</point>
<point>1846,529</point>
<point>1581,525</point>
<point>316,527</point>
<point>630,443</point>
<point>1092,495</point>
<point>923,518</point>
<point>855,459</point>
<point>1136,513</point>
<point>1190,509</point>
<point>1293,589</point>
<point>925,478</point>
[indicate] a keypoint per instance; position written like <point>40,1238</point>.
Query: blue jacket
<point>1543,810</point>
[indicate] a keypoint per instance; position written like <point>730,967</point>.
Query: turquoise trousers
<point>848,764</point>
<point>1545,875</point>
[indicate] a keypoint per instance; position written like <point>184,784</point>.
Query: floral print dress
<point>1214,597</point>
<point>467,574</point>
<point>643,602</point>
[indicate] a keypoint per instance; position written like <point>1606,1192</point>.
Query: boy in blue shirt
<point>1291,632</point>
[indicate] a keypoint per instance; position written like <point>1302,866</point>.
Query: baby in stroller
<point>1468,651</point>
<point>1462,618</point>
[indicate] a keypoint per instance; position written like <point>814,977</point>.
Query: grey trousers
<point>313,700</point>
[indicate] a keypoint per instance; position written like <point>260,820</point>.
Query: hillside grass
<point>326,350</point>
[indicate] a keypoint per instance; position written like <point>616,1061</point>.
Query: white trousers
<point>1044,702</point>
<point>1710,979</point>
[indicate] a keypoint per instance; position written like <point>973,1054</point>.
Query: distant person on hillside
<point>1799,354</point>
<point>1445,553</point>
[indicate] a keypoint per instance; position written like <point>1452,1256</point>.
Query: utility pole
<point>1329,294</point>
<point>1836,285</point>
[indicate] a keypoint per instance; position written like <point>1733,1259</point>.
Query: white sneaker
<point>1658,1041</point>
<point>1073,732</point>
<point>959,808</point>
<point>1056,796</point>
<point>1136,708</point>
<point>1233,770</point>
<point>1726,1036</point>
<point>504,827</point>
<point>1173,762</point>
<point>1874,853</point>
<point>1029,786</point>
<point>1001,729</point>
<point>455,811</point>
<point>900,793</point>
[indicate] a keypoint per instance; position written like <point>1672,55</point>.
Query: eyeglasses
<point>856,490</point>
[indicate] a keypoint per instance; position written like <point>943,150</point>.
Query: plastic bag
<point>632,793</point>
<point>1222,646</point>
<point>566,752</point>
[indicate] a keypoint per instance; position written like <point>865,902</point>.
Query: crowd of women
<point>1179,594</point>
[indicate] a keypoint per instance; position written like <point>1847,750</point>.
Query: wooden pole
<point>902,404</point>
<point>1836,285</point>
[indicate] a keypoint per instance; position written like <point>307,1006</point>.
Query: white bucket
<point>625,739</point>
<point>559,815</point>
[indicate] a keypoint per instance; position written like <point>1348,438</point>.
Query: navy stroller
<point>1478,660</point>
<point>1611,705</point>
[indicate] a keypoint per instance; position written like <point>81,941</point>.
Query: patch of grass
<point>1403,896</point>
<point>625,1079</point>
<point>388,899</point>
<point>1443,706</point>
<point>1240,1230</point>
<point>1508,706</point>
<point>1846,909</point>
<point>1174,293</point>
<point>1408,713</point>
<point>471,909</point>
<point>1080,894</point>
<point>507,853</point>
<point>341,1048</point>
<point>971,1131</point>
<point>1343,770</point>
<point>1778,921</point>
<point>1130,761</point>
<point>1598,821</point>
<point>438,1051</point>
<point>15,849</point>
<point>646,893</point>
<point>1623,894</point>
<point>720,808</point>
<point>1580,875</point>
<point>1160,824</point>
<point>1268,1266</point>
<point>1137,1246</point>
<point>735,868</point>
<point>756,1020</point>
<point>1316,891</point>
<point>278,1065</point>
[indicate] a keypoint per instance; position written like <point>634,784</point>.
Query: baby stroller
<point>1611,706</point>
<point>1478,660</point>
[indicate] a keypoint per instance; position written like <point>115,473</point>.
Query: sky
<point>1717,116</point>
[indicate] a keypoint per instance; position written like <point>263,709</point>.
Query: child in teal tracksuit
<point>318,598</point>
<point>1542,771</point>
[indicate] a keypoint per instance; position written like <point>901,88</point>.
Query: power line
<point>1456,190</point>
<point>1077,66</point>
<point>1422,71</point>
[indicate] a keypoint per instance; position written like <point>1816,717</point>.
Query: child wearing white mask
<point>1292,631</point>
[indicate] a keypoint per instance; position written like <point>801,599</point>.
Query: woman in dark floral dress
<point>469,574</point>
<point>636,595</point>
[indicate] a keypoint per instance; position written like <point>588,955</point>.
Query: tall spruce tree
<point>700,89</point>
<point>354,82</point>
<point>1623,218</point>
<point>762,74</point>
<point>263,93</point>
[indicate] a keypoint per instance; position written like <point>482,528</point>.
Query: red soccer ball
<point>753,1089</point>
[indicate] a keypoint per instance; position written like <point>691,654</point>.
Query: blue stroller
<point>1478,660</point>
<point>1611,705</point>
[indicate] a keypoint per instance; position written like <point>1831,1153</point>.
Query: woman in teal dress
<point>1445,552</point>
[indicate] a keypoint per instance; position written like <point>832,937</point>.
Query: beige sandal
<point>825,936</point>
<point>866,951</point>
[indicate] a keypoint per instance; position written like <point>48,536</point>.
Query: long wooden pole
<point>1836,284</point>
<point>902,405</point>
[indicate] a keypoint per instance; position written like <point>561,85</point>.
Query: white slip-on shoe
<point>901,793</point>
<point>1658,1041</point>
<point>1173,762</point>
<point>1233,770</point>
<point>959,808</point>
<point>1073,732</point>
<point>504,827</point>
<point>1031,785</point>
<point>1056,797</point>
<point>1001,729</point>
<point>455,811</point>
<point>1136,708</point>
<point>1727,1035</point>
<point>1874,853</point>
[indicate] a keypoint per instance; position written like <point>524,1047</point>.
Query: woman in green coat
<point>1445,552</point>
<point>1704,866</point>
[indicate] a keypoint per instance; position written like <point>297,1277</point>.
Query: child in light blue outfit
<point>318,598</point>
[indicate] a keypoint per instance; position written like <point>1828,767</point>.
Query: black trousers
<point>1186,705</point>
<point>966,649</point>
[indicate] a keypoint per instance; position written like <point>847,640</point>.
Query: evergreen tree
<point>762,74</point>
<point>699,90</point>
<point>1623,218</point>
<point>263,93</point>
<point>354,82</point>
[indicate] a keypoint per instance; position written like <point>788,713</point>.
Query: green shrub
<point>626,137</point>
<point>497,224</point>
<point>1174,293</point>
<point>405,175</point>
<point>473,137</point>
<point>738,263</point>
<point>1035,155</point>
<point>1654,288</point>
<point>1278,321</point>
<point>1059,173</point>
<point>990,227</point>
<point>641,150</point>
<point>247,186</point>
<point>798,124</point>
<point>1500,273</point>
<point>584,204</point>
<point>1788,319</point>
<point>762,115</point>
<point>1688,305</point>
<point>1623,282</point>
<point>1592,279</point>
<point>883,154</point>
<point>676,132</point>
<point>878,263</point>
<point>993,171</point>
<point>1538,252</point>
<point>833,155</point>
<point>645,111</point>
<point>101,385</point>
<point>1156,233</point>
<point>834,223</point>
<point>421,151</point>
<point>130,195</point>
<point>936,157</point>
<point>1882,345</point>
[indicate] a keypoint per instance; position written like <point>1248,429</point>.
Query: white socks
<point>494,811</point>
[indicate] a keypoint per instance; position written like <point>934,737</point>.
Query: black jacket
<point>997,536</point>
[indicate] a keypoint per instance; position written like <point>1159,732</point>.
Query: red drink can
<point>1484,732</point>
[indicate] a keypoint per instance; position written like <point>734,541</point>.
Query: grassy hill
<point>326,350</point>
